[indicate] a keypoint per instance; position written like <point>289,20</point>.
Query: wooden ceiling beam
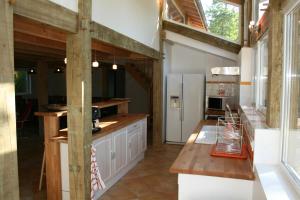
<point>49,13</point>
<point>26,26</point>
<point>42,42</point>
<point>113,38</point>
<point>202,37</point>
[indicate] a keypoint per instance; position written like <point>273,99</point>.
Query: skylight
<point>223,18</point>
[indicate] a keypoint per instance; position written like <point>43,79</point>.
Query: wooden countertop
<point>101,104</point>
<point>196,159</point>
<point>107,124</point>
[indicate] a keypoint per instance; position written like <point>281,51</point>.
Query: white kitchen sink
<point>208,135</point>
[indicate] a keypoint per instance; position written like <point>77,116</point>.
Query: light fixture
<point>95,62</point>
<point>115,66</point>
<point>59,70</point>
<point>31,71</point>
<point>65,60</point>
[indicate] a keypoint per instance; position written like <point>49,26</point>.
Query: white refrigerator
<point>185,105</point>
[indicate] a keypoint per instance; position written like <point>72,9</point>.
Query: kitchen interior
<point>215,129</point>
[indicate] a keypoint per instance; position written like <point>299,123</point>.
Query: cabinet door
<point>133,148</point>
<point>120,153</point>
<point>104,160</point>
<point>143,136</point>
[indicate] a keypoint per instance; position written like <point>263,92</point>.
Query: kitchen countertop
<point>196,159</point>
<point>101,104</point>
<point>107,124</point>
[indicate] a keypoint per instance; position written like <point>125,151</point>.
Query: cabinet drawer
<point>134,127</point>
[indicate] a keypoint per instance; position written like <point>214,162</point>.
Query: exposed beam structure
<point>79,102</point>
<point>202,37</point>
<point>9,182</point>
<point>157,87</point>
<point>47,12</point>
<point>275,64</point>
<point>109,36</point>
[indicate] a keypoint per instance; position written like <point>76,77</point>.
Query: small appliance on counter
<point>96,115</point>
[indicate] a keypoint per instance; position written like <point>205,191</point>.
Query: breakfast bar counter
<point>107,125</point>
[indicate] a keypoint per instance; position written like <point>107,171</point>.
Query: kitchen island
<point>120,145</point>
<point>201,176</point>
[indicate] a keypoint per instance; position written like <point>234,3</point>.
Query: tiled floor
<point>150,179</point>
<point>30,154</point>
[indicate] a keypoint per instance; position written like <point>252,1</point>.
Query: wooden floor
<point>150,179</point>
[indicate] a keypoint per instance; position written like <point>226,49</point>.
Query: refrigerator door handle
<point>182,103</point>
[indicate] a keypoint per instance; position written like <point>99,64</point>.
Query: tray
<point>243,155</point>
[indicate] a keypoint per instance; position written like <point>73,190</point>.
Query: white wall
<point>70,4</point>
<point>137,19</point>
<point>184,59</point>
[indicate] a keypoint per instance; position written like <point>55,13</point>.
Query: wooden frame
<point>275,64</point>
<point>202,37</point>
<point>9,183</point>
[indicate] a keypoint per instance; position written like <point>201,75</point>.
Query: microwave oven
<point>219,102</point>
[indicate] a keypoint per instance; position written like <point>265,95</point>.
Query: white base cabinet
<point>116,154</point>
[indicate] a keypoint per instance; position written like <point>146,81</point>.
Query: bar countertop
<point>196,159</point>
<point>107,124</point>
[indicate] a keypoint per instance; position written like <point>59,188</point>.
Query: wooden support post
<point>9,184</point>
<point>242,29</point>
<point>52,153</point>
<point>158,88</point>
<point>42,90</point>
<point>79,100</point>
<point>275,64</point>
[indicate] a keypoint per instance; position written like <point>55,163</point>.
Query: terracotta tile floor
<point>150,179</point>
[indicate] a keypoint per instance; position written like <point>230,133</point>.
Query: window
<point>262,74</point>
<point>219,17</point>
<point>22,82</point>
<point>291,95</point>
<point>260,7</point>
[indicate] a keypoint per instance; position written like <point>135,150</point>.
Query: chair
<point>24,116</point>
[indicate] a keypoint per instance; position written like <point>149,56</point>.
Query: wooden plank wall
<point>9,184</point>
<point>79,101</point>
<point>275,64</point>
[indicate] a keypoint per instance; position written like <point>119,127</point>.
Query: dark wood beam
<point>202,37</point>
<point>79,102</point>
<point>38,41</point>
<point>33,28</point>
<point>275,61</point>
<point>9,182</point>
<point>109,36</point>
<point>157,88</point>
<point>47,12</point>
